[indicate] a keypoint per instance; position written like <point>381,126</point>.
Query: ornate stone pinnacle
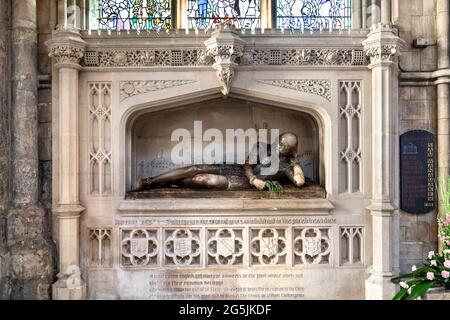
<point>224,50</point>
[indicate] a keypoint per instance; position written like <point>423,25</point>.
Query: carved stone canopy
<point>224,50</point>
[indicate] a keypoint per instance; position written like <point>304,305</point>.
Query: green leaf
<point>420,289</point>
<point>400,294</point>
<point>419,272</point>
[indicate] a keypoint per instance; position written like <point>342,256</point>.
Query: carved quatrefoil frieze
<point>182,247</point>
<point>268,246</point>
<point>225,246</point>
<point>312,246</point>
<point>228,246</point>
<point>139,247</point>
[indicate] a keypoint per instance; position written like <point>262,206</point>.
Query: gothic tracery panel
<point>351,245</point>
<point>100,138</point>
<point>100,247</point>
<point>350,127</point>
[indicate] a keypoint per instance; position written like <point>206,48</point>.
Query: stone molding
<point>229,206</point>
<point>197,57</point>
<point>305,57</point>
<point>321,88</point>
<point>132,88</point>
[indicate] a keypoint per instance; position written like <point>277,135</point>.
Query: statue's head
<point>288,144</point>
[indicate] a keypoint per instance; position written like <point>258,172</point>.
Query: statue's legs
<point>207,180</point>
<point>182,175</point>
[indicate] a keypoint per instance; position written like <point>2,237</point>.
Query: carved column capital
<point>382,46</point>
<point>67,48</point>
<point>224,50</point>
<point>382,53</point>
<point>66,54</point>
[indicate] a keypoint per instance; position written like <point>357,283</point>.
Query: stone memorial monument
<point>95,206</point>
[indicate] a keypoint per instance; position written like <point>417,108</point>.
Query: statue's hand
<point>299,181</point>
<point>259,184</point>
<point>299,178</point>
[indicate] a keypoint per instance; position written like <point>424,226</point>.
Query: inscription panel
<point>273,283</point>
<point>235,257</point>
<point>417,171</point>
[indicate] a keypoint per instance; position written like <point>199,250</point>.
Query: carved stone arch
<point>319,113</point>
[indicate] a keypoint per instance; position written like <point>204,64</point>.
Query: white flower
<point>409,290</point>
<point>413,268</point>
<point>430,254</point>
<point>447,264</point>
<point>433,263</point>
<point>404,285</point>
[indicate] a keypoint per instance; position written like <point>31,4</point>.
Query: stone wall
<point>417,19</point>
<point>27,264</point>
<point>4,144</point>
<point>45,27</point>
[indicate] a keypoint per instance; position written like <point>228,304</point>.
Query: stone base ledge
<point>60,291</point>
<point>439,294</point>
<point>380,287</point>
<point>229,206</point>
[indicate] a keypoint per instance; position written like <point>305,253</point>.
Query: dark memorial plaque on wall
<point>417,171</point>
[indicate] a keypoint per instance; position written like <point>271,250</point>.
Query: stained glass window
<point>313,14</point>
<point>207,13</point>
<point>135,14</point>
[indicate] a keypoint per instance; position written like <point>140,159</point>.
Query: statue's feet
<point>140,185</point>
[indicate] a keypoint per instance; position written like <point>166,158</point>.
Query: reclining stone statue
<point>233,176</point>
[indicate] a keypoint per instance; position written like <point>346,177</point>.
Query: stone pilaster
<point>382,47</point>
<point>5,13</point>
<point>67,48</point>
<point>31,269</point>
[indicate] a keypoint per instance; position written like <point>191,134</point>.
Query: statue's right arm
<point>250,174</point>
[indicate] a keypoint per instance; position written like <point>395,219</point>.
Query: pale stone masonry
<point>418,106</point>
<point>42,201</point>
<point>29,263</point>
<point>4,145</point>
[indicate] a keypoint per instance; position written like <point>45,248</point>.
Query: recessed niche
<point>151,145</point>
